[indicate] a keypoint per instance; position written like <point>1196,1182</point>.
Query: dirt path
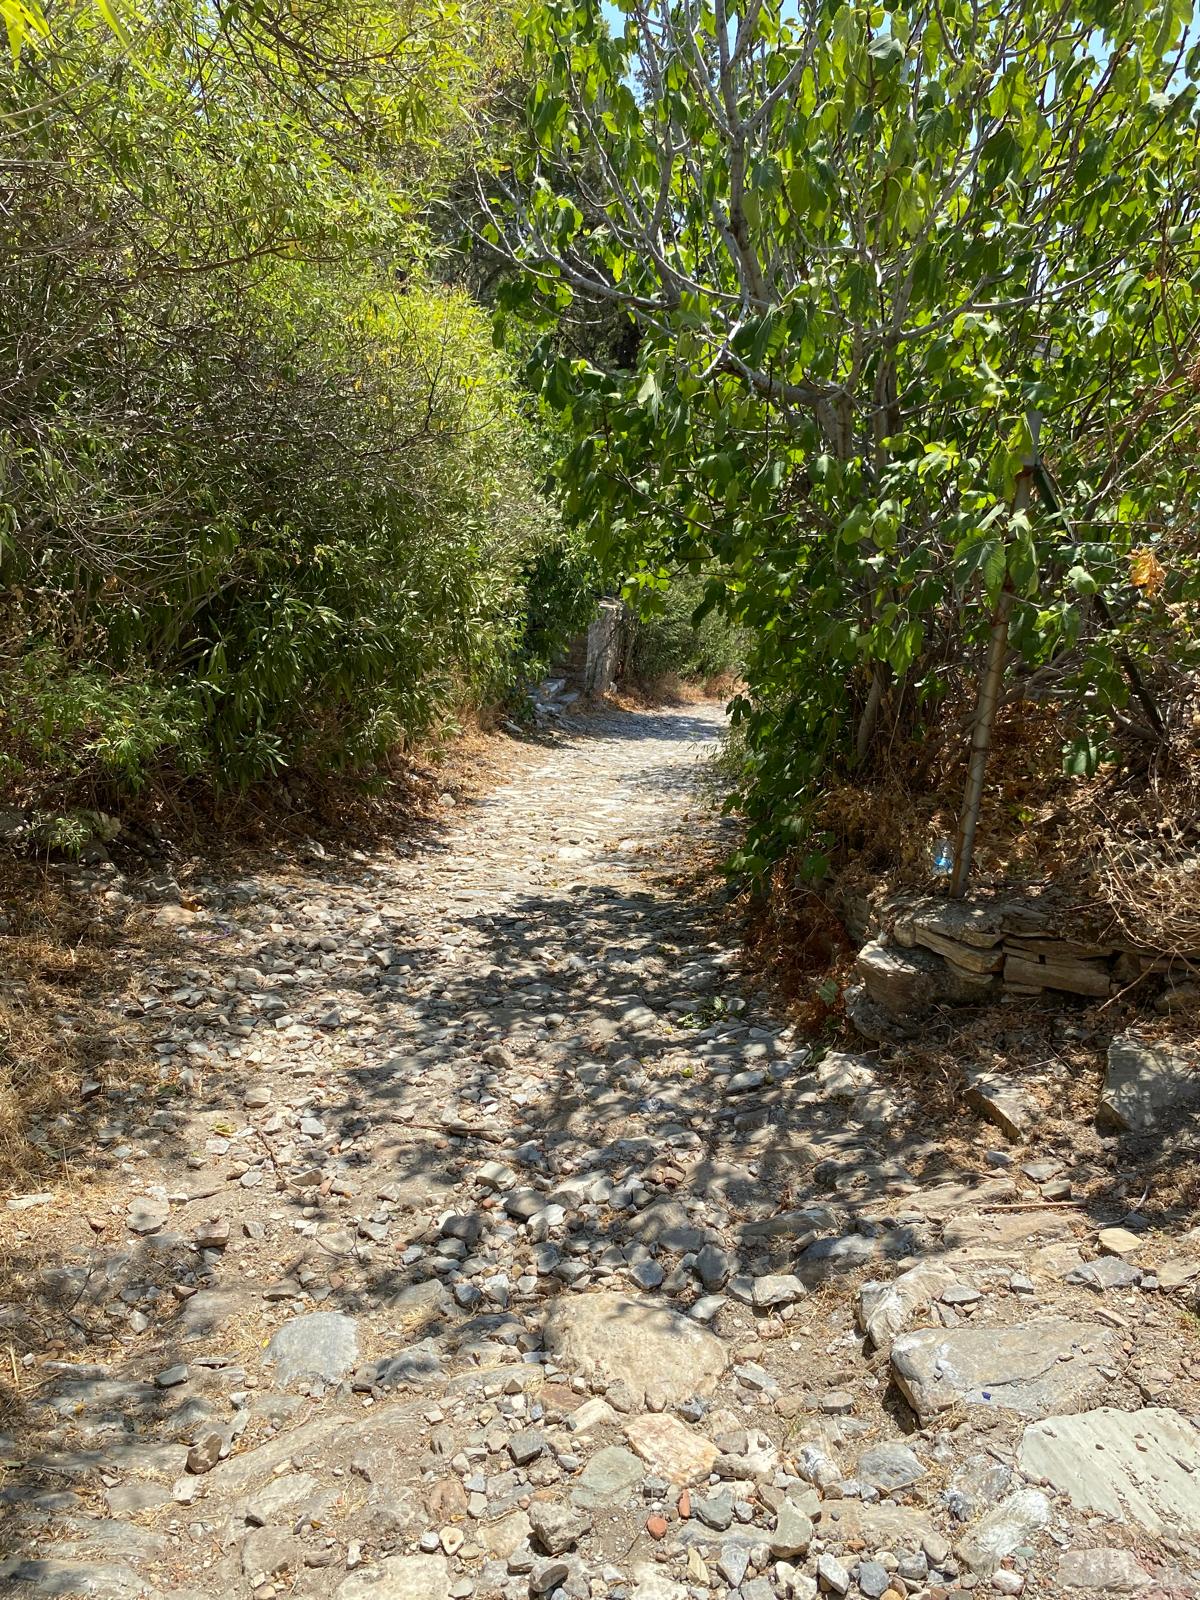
<point>485,1240</point>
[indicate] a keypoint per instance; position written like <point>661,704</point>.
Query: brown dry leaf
<point>1146,571</point>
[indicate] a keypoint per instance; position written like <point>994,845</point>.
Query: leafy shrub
<point>666,640</point>
<point>270,495</point>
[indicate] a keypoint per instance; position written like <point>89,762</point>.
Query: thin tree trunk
<point>870,716</point>
<point>985,718</point>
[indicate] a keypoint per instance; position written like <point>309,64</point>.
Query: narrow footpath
<point>482,1239</point>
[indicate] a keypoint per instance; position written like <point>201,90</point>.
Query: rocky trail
<point>482,1238</point>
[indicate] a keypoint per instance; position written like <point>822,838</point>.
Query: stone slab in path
<point>670,1449</point>
<point>321,1345</point>
<point>1140,1466</point>
<point>106,1580</point>
<point>1032,1368</point>
<point>646,1345</point>
<point>1101,1570</point>
<point>399,1578</point>
<point>1143,1082</point>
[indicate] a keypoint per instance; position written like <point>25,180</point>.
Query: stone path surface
<point>487,1239</point>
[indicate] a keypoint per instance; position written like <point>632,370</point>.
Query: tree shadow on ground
<point>622,1113</point>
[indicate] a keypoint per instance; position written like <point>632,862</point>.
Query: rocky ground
<point>480,1238</point>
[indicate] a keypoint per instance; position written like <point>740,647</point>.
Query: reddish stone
<point>684,1506</point>
<point>656,1526</point>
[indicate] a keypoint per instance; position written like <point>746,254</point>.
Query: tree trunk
<point>985,718</point>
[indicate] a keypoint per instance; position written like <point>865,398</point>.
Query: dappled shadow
<point>487,983</point>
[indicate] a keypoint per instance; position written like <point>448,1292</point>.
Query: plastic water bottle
<point>943,858</point>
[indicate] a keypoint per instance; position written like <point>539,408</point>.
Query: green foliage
<point>561,584</point>
<point>885,262</point>
<point>269,495</point>
<point>59,721</point>
<point>667,641</point>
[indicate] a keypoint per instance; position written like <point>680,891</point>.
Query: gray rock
<point>776,1289</point>
<point>872,1578</point>
<point>732,1562</point>
<point>888,1467</point>
<point>1002,1103</point>
<point>206,1452</point>
<point>647,1274</point>
<point>793,1532</point>
<point>714,1267</point>
<point>832,1575</point>
<point>608,1479</point>
<point>523,1204</point>
<point>836,1403</point>
<point>266,1551</point>
<point>843,1076</point>
<point>424,1577</point>
<point>667,1224</point>
<point>420,1307</point>
<point>1030,1368</point>
<point>129,1498</point>
<point>1106,1272</point>
<point>53,1578</point>
<point>557,1526</point>
<point>885,1309</point>
<point>1145,1082</point>
<point>1141,1467</point>
<point>975,1486</point>
<point>644,1344</point>
<point>1014,1522</point>
<point>275,1499</point>
<point>651,1583</point>
<point>1102,1571</point>
<point>321,1345</point>
<point>147,1214</point>
<point>526,1446</point>
<point>547,1576</point>
<point>828,1258</point>
<point>716,1511</point>
<point>905,982</point>
<point>416,1366</point>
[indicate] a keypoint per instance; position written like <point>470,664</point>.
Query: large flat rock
<point>670,1449</point>
<point>1144,1082</point>
<point>1140,1466</point>
<point>1102,1571</point>
<point>617,1338</point>
<point>53,1578</point>
<point>609,1478</point>
<point>320,1345</point>
<point>1031,1368</point>
<point>399,1578</point>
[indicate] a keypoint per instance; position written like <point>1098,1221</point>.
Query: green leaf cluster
<point>889,264</point>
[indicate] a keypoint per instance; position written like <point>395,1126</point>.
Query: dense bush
<point>270,496</point>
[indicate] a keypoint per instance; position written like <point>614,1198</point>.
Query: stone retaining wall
<point>924,950</point>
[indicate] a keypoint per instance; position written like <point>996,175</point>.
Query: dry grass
<point>66,971</point>
<point>672,690</point>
